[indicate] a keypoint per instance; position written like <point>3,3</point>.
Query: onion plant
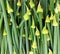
<point>29,26</point>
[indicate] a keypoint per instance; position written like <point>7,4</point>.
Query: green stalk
<point>13,38</point>
<point>48,26</point>
<point>27,46</point>
<point>7,27</point>
<point>52,32</point>
<point>0,39</point>
<point>58,41</point>
<point>39,17</point>
<point>14,41</point>
<point>14,27</point>
<point>35,13</point>
<point>15,6</point>
<point>1,21</point>
<point>45,44</point>
<point>52,5</point>
<point>21,23</point>
<point>23,12</point>
<point>2,47</point>
<point>34,51</point>
<point>38,45</point>
<point>35,40</point>
<point>23,7</point>
<point>40,24</point>
<point>57,17</point>
<point>5,40</point>
<point>41,43</point>
<point>17,11</point>
<point>21,32</point>
<point>45,7</point>
<point>41,36</point>
<point>40,20</point>
<point>29,21</point>
<point>23,50</point>
<point>55,40</point>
